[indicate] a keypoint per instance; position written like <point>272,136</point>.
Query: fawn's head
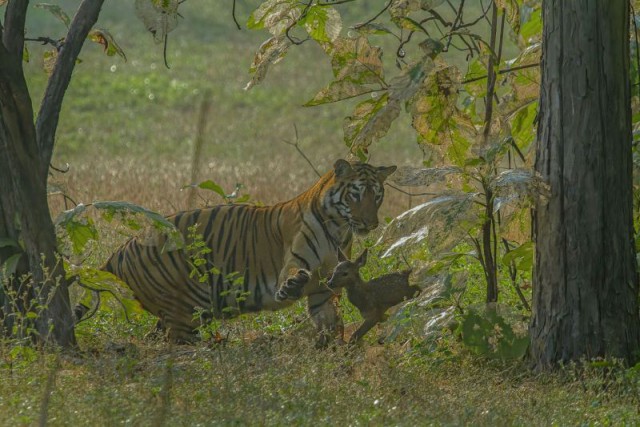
<point>347,273</point>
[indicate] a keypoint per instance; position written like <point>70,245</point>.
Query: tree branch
<point>13,33</point>
<point>503,71</point>
<point>47,121</point>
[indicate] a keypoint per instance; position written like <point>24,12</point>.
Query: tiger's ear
<point>342,169</point>
<point>385,171</point>
<point>341,256</point>
<point>362,259</point>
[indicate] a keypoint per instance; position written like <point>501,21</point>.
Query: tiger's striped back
<point>265,246</point>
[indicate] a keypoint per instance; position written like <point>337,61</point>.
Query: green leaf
<point>56,11</point>
<point>104,38</point>
<point>125,207</point>
<point>532,28</point>
<point>25,54</point>
<point>275,16</point>
<point>10,266</point>
<point>212,186</point>
<point>522,125</point>
<point>323,23</point>
<point>6,242</point>
<point>522,256</point>
<point>80,233</point>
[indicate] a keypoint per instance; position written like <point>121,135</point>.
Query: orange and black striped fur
<point>266,246</point>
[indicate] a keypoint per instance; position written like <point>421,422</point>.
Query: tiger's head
<point>358,193</point>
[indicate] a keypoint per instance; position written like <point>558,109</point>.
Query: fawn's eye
<point>345,274</point>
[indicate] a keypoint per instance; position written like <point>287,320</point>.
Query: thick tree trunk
<point>586,286</point>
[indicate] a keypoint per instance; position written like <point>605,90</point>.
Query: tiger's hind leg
<point>325,313</point>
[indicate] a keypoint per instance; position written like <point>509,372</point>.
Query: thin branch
<point>47,40</point>
<point>357,26</point>
<point>47,121</point>
<point>504,71</point>
<point>635,33</point>
<point>297,147</point>
<point>408,193</point>
<point>233,15</point>
<point>491,77</point>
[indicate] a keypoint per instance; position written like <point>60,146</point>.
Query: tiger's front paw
<point>293,287</point>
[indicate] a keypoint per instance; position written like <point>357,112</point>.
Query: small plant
<point>210,319</point>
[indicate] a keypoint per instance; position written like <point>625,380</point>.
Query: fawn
<point>372,298</point>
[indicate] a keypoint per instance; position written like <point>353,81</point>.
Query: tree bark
<point>25,153</point>
<point>585,284</point>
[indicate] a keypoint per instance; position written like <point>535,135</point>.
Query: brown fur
<point>372,298</point>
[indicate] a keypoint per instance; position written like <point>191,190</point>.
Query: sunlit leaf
<point>25,54</point>
<point>323,23</point>
<point>212,186</point>
<point>372,119</point>
<point>270,52</point>
<point>511,9</point>
<point>80,232</point>
<point>522,256</point>
<point>275,16</point>
<point>439,224</point>
<point>104,38</point>
<point>49,59</point>
<point>56,11</point>
<point>531,29</point>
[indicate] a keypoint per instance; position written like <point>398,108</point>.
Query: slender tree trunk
<point>25,152</point>
<point>586,285</point>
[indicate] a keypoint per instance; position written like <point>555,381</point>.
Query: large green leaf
<point>80,232</point>
<point>276,16</point>
<point>323,23</point>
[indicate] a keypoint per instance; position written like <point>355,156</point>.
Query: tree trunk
<point>586,287</point>
<point>25,152</point>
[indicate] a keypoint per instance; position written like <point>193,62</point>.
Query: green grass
<point>280,379</point>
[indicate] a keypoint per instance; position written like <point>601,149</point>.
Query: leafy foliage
<point>80,228</point>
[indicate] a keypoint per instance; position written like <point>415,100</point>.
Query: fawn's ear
<point>362,259</point>
<point>341,256</point>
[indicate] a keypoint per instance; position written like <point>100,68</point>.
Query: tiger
<point>280,252</point>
